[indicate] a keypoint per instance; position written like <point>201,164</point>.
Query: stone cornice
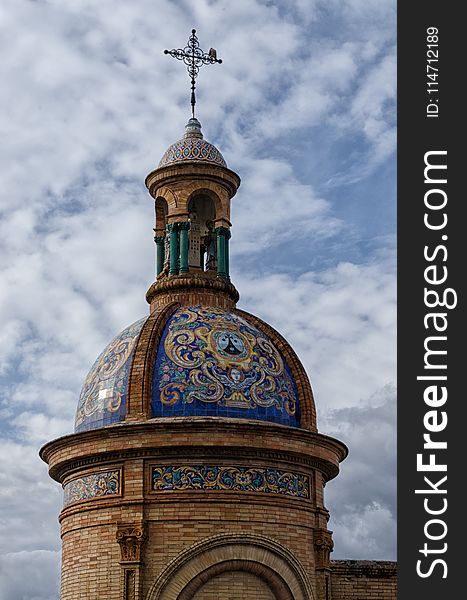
<point>192,283</point>
<point>192,170</point>
<point>199,453</point>
<point>191,436</point>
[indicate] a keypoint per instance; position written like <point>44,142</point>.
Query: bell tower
<point>196,469</point>
<point>192,189</point>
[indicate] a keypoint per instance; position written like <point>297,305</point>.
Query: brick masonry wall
<point>91,560</point>
<point>175,527</point>
<point>236,585</point>
<point>91,554</point>
<point>158,297</point>
<point>363,580</point>
<point>90,564</point>
<point>173,521</point>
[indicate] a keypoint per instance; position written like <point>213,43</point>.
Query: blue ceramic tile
<point>267,480</point>
<point>103,398</point>
<point>95,485</point>
<point>213,362</point>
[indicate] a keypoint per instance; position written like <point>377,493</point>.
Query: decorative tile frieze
<point>94,485</point>
<point>267,480</point>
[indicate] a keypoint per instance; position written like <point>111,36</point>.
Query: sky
<point>303,108</point>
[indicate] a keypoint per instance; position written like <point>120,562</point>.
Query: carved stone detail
<point>129,584</point>
<point>323,548</point>
<point>131,539</point>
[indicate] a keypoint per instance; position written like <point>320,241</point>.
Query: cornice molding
<point>192,170</point>
<point>192,283</point>
<point>319,451</point>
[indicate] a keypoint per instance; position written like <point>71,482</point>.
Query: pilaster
<point>131,537</point>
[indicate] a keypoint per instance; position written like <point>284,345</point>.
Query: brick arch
<point>273,580</point>
<point>219,205</point>
<point>169,196</point>
<point>216,192</point>
<point>268,559</point>
<point>142,366</point>
<point>211,199</point>
<point>162,211</point>
<point>305,393</point>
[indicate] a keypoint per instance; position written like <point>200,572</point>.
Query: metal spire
<point>194,57</point>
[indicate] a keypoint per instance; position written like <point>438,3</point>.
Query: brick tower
<point>196,470</point>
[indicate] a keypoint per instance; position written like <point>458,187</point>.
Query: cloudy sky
<point>303,109</point>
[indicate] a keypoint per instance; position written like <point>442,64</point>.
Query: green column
<point>223,235</point>
<point>227,254</point>
<point>184,228</point>
<point>160,243</point>
<point>172,228</point>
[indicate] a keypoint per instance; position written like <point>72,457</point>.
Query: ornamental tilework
<point>212,362</point>
<point>267,480</point>
<point>103,398</point>
<point>192,148</point>
<point>96,485</point>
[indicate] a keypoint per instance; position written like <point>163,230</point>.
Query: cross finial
<point>194,57</point>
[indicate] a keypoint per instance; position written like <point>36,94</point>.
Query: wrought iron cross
<point>194,57</point>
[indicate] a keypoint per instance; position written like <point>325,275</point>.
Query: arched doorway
<point>237,566</point>
<point>237,580</point>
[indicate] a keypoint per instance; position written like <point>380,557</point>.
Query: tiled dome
<point>192,147</point>
<point>212,362</point>
<point>209,362</point>
<point>103,397</point>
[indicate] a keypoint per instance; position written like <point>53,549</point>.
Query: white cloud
<point>362,498</point>
<point>41,582</point>
<point>270,205</point>
<point>341,322</point>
